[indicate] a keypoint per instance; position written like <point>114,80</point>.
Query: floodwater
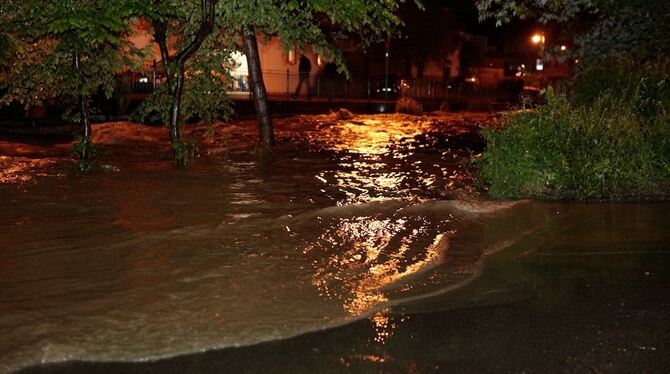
<point>343,221</point>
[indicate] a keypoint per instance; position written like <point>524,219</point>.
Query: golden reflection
<point>372,136</point>
<point>375,359</point>
<point>384,326</point>
<point>19,170</point>
<point>368,255</point>
<point>370,142</point>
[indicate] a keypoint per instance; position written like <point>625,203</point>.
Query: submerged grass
<point>564,150</point>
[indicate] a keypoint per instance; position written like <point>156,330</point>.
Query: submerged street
<point>355,244</point>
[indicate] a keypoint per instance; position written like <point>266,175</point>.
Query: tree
<point>545,11</point>
<point>297,23</point>
<point>633,29</point>
<point>67,50</point>
<point>183,31</point>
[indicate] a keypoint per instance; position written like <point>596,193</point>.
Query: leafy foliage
<point>205,88</point>
<point>186,152</point>
<point>314,22</point>
<point>86,153</point>
<point>504,11</point>
<point>563,150</point>
<point>644,86</point>
<point>68,50</point>
<point>44,36</point>
<point>610,28</point>
<point>633,29</point>
<point>611,138</point>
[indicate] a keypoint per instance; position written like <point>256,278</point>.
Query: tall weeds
<point>610,148</point>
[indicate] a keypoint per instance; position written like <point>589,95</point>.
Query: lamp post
<point>539,40</point>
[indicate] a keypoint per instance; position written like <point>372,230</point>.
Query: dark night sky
<point>512,38</point>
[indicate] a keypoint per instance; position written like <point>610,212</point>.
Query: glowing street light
<point>539,40</point>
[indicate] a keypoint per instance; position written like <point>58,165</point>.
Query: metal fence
<point>324,86</point>
<point>283,83</point>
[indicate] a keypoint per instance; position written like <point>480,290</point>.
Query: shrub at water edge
<point>604,150</point>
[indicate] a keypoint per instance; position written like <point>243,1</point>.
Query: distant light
<point>539,65</point>
<point>563,48</point>
<point>537,39</point>
<point>523,66</point>
<point>144,80</point>
<point>577,61</point>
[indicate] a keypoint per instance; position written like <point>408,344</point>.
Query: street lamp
<point>539,40</point>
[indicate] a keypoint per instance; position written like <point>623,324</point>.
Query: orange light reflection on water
<point>19,170</point>
<point>368,262</point>
<point>373,139</point>
<point>369,253</point>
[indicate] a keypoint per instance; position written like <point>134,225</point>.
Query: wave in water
<point>141,297</point>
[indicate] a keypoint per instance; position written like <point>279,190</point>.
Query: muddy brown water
<point>344,220</point>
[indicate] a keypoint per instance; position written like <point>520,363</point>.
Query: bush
<point>605,150</point>
<point>408,105</point>
<point>646,87</point>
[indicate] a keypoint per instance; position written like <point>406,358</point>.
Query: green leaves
<point>611,28</point>
<point>603,150</point>
<point>46,35</point>
<point>314,22</point>
<point>504,11</point>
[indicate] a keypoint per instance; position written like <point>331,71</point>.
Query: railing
<point>280,83</point>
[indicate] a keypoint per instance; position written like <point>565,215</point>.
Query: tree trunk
<point>174,114</point>
<point>85,115</point>
<point>258,87</point>
<point>175,65</point>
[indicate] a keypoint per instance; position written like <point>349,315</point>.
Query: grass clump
<point>408,105</point>
<point>608,149</point>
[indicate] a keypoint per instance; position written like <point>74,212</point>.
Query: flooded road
<point>343,221</point>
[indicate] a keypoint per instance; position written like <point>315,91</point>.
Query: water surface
<point>344,219</point>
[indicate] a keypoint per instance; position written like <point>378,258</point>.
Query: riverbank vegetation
<point>614,145</point>
<point>608,135</point>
